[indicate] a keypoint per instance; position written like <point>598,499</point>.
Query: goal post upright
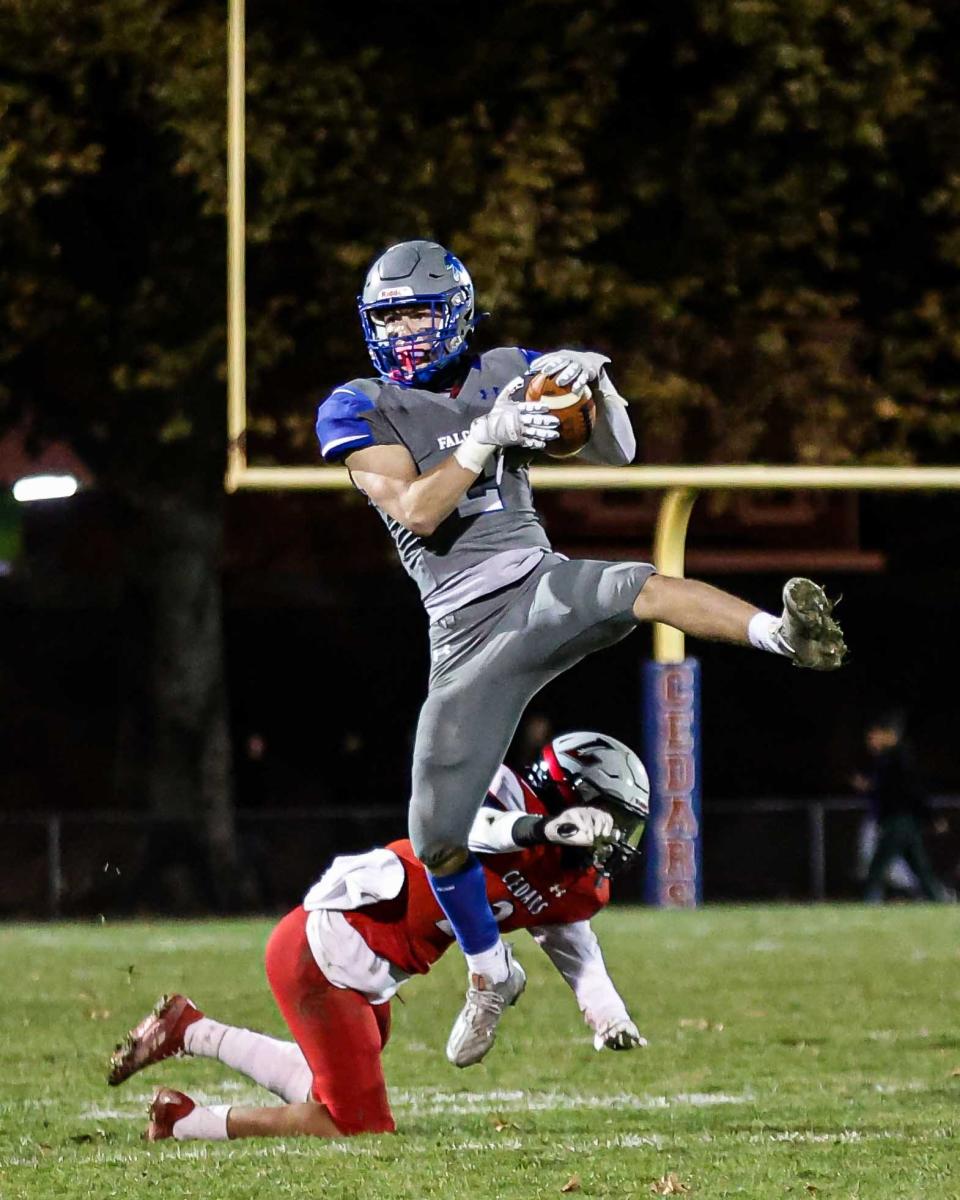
<point>236,246</point>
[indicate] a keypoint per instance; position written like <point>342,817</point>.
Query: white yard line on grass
<point>429,1101</point>
<point>13,1106</point>
<point>136,1104</point>
<point>434,1101</point>
<point>802,1137</point>
<point>95,1112</point>
<point>796,1136</point>
<point>575,1145</point>
<point>354,1149</point>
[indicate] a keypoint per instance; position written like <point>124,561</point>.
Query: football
<point>577,412</point>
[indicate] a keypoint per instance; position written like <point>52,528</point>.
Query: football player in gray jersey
<point>440,446</point>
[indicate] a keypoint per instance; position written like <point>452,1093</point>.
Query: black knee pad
<point>435,857</point>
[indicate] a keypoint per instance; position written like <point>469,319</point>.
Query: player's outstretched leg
<point>475,1029</point>
<point>805,632</point>
<point>177,1027</point>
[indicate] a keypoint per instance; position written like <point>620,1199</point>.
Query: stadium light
<point>44,487</point>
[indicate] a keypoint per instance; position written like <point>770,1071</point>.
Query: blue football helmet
<point>423,274</point>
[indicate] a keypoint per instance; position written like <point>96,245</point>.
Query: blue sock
<point>463,897</point>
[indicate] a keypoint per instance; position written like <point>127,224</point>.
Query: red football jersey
<point>526,888</point>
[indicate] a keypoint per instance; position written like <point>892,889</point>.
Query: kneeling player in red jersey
<point>549,838</point>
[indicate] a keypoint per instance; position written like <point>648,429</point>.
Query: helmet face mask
<point>624,850</point>
<point>598,771</point>
<point>420,276</point>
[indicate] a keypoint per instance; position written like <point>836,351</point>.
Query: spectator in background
<point>899,878</point>
<point>899,803</point>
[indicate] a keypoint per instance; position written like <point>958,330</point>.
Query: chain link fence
<point>115,863</point>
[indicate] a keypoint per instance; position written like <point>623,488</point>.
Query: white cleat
<point>475,1029</point>
<point>808,632</point>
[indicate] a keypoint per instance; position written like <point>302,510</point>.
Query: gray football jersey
<point>495,535</point>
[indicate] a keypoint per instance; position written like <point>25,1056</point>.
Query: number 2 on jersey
<point>484,496</point>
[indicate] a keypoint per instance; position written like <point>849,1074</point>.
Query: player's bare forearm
<point>695,608</point>
<point>388,475</point>
<point>431,498</point>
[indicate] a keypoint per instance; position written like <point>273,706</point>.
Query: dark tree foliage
<point>751,205</point>
<point>111,281</point>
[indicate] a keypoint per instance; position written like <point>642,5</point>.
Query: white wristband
<point>473,455</point>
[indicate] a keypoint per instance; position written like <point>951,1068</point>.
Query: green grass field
<point>803,1052</point>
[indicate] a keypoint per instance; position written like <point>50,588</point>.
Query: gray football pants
<point>488,660</point>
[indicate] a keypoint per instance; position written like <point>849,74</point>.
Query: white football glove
<point>618,1035</point>
<point>510,423</point>
<point>590,827</point>
<point>575,368</point>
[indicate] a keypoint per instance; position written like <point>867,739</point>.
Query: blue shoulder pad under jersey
<point>341,428</point>
<point>529,355</point>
